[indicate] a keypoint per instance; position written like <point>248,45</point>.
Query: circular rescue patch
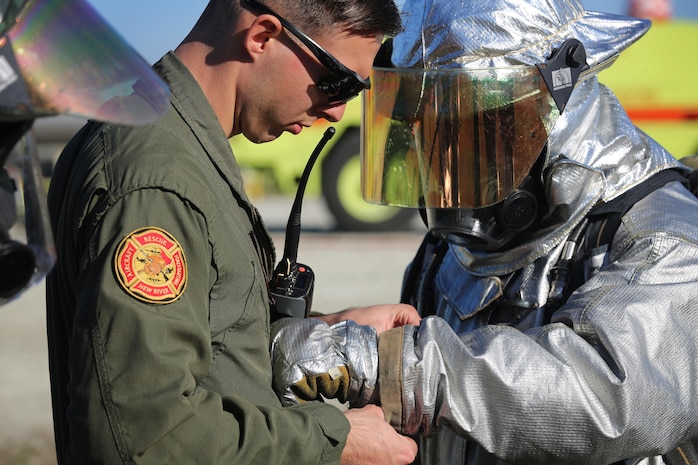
<point>150,265</point>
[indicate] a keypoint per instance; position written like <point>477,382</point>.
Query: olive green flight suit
<point>186,379</point>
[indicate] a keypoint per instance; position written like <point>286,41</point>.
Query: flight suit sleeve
<point>138,356</point>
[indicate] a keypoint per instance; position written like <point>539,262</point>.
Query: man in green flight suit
<point>158,309</point>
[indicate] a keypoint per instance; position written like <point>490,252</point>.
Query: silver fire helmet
<point>458,120</point>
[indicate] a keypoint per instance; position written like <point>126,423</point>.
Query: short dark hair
<point>357,17</point>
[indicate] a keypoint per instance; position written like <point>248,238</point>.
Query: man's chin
<point>272,134</point>
<point>260,139</point>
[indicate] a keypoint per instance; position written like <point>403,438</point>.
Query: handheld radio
<point>291,284</point>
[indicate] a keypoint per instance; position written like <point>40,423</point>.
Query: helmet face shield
<point>60,56</point>
<point>452,138</point>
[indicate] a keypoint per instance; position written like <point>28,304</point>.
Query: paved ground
<point>351,270</point>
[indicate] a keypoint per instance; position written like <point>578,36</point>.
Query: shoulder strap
<point>685,454</point>
<point>605,218</point>
<point>587,248</point>
<point>693,182</point>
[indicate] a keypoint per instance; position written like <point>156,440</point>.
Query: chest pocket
<point>238,314</point>
<point>238,295</point>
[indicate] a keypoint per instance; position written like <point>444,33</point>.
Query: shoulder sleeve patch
<point>149,265</point>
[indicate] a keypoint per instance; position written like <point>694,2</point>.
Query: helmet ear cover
<point>496,226</point>
<point>562,71</point>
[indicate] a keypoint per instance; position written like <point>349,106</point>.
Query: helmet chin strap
<point>495,226</point>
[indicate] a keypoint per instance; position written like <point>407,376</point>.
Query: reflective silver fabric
<point>614,375</point>
<point>305,347</point>
<point>454,33</point>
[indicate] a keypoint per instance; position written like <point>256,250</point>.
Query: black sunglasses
<point>342,84</point>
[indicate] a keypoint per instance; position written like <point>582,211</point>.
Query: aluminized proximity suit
<point>611,376</point>
<point>493,375</point>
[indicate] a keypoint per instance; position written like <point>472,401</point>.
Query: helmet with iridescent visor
<point>61,57</point>
<point>458,121</point>
<point>56,57</point>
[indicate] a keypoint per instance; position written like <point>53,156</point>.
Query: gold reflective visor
<point>452,138</point>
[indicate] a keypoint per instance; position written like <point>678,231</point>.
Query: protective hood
<point>463,33</point>
<point>593,151</point>
<point>467,104</point>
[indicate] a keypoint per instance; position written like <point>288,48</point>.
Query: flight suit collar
<point>189,100</point>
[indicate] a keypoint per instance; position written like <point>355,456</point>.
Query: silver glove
<point>312,360</point>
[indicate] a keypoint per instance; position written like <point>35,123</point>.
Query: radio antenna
<point>293,227</point>
<point>291,286</point>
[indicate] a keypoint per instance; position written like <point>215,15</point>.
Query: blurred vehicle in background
<point>655,80</point>
<point>336,175</point>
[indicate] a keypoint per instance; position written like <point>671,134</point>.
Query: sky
<point>154,27</point>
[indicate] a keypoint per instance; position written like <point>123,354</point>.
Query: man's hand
<point>373,441</point>
<point>380,317</point>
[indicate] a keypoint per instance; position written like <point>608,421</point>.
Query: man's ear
<point>262,29</point>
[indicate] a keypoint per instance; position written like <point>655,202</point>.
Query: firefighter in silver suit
<point>540,343</point>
